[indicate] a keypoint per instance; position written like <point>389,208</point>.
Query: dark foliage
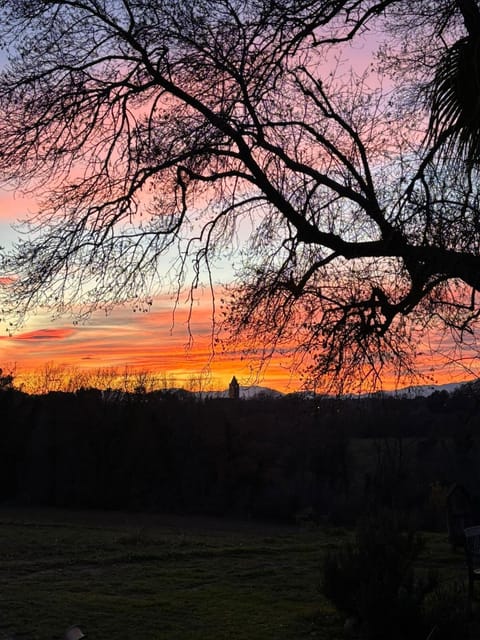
<point>290,458</point>
<point>373,580</point>
<point>444,611</point>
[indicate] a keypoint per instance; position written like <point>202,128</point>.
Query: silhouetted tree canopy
<point>208,127</point>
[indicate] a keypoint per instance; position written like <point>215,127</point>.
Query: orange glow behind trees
<point>126,350</point>
<point>117,350</point>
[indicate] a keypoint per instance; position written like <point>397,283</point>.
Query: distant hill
<point>247,393</point>
<point>257,391</point>
<point>425,390</point>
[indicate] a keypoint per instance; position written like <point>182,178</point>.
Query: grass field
<point>128,576</point>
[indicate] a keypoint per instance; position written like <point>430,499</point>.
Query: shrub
<point>444,611</point>
<point>373,581</point>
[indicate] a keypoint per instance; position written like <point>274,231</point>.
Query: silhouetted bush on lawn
<point>445,610</point>
<point>372,580</point>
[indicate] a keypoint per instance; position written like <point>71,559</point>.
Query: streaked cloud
<point>44,334</point>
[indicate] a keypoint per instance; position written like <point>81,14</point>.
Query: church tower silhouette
<point>234,389</point>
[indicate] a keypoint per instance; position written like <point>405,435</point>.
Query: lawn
<point>126,576</point>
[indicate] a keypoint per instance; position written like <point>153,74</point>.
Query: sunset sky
<point>123,339</point>
<point>157,342</point>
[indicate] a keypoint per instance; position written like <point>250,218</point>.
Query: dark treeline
<point>323,460</point>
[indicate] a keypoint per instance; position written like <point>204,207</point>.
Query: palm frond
<point>455,102</point>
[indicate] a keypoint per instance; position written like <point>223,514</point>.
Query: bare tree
<point>152,125</point>
<point>6,380</point>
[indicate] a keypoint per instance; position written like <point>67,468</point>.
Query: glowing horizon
<point>155,342</point>
<point>165,346</point>
<point>149,345</point>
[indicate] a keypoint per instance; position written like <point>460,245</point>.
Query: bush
<point>373,581</point>
<point>445,612</point>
